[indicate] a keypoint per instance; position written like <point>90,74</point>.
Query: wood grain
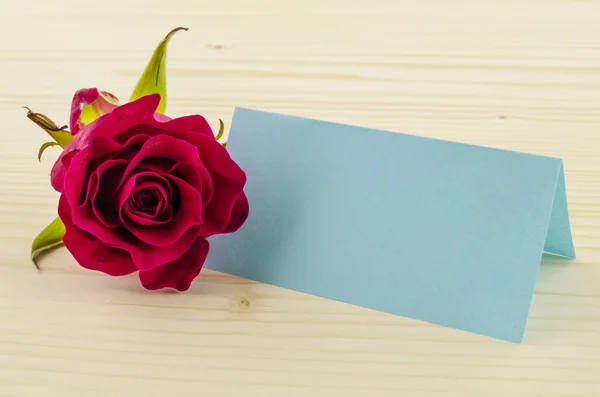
<point>521,75</point>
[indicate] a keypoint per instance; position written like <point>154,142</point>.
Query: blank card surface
<point>443,232</point>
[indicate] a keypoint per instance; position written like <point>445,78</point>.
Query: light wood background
<point>515,74</point>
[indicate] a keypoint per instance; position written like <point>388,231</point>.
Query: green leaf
<point>44,147</point>
<point>61,137</point>
<point>154,78</point>
<point>48,238</point>
<point>59,134</point>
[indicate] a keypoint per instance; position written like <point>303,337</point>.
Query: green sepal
<point>60,134</point>
<point>45,146</point>
<point>154,78</point>
<point>48,238</point>
<point>221,130</point>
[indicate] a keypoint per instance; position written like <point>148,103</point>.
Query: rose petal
<point>188,214</point>
<point>239,214</point>
<point>164,146</point>
<point>126,189</point>
<point>140,129</point>
<point>127,215</point>
<point>191,170</point>
<point>158,185</point>
<point>94,148</point>
<point>83,216</point>
<point>161,117</point>
<point>109,100</point>
<point>148,198</point>
<point>149,257</point>
<point>219,209</point>
<point>107,126</point>
<point>103,201</point>
<point>76,183</point>
<point>187,124</point>
<point>91,253</point>
<point>196,174</point>
<point>212,153</point>
<point>127,116</point>
<point>75,177</point>
<point>180,273</point>
<point>59,170</point>
<point>114,123</point>
<point>132,217</point>
<point>159,165</point>
<point>228,181</point>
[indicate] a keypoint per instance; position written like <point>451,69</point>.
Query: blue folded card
<point>443,232</point>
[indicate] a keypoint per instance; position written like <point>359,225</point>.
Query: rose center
<point>150,198</point>
<point>147,199</point>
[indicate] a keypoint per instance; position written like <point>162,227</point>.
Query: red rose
<point>141,191</point>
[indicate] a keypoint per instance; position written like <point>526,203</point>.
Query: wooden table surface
<point>522,75</point>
